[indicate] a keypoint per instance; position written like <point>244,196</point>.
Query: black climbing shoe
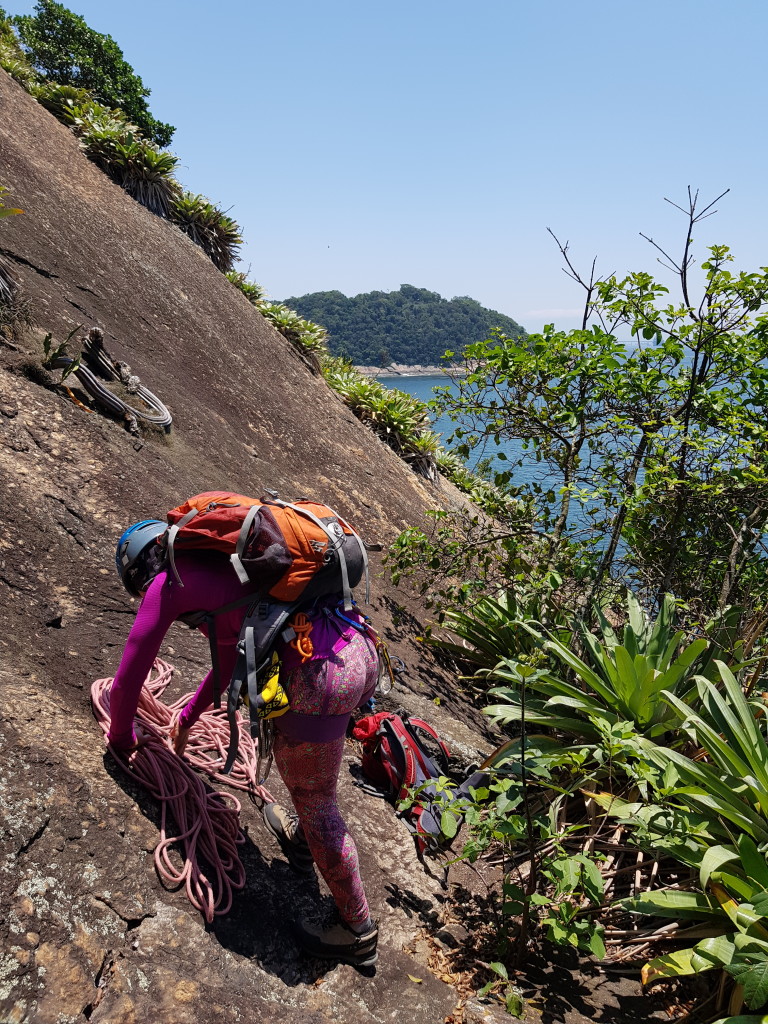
<point>284,826</point>
<point>339,943</point>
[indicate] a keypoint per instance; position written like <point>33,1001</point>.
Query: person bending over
<point>339,676</point>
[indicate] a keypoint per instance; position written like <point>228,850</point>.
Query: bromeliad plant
<point>15,309</point>
<point>135,164</point>
<point>400,420</point>
<point>712,815</point>
<point>217,234</point>
<point>307,335</point>
<point>250,289</point>
<point>615,682</point>
<point>68,103</point>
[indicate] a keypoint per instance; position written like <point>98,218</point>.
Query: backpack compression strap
<point>236,558</point>
<point>397,756</point>
<point>170,537</point>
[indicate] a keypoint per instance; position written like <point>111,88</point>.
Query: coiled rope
<point>101,363</point>
<point>302,642</point>
<point>208,822</point>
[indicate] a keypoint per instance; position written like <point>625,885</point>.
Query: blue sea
<point>423,389</point>
<point>529,472</point>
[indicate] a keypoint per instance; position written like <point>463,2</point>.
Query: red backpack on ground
<point>396,759</point>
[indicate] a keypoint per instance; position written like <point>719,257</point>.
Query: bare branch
<point>574,274</point>
<point>672,265</point>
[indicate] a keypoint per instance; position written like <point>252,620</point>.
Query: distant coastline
<point>400,370</point>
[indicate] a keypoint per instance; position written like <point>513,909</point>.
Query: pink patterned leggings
<point>311,770</point>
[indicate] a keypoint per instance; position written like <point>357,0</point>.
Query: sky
<point>361,145</point>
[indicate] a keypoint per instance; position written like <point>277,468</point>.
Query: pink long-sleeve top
<point>209,583</point>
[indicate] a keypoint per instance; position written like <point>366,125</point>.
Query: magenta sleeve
<point>203,695</point>
<point>153,619</point>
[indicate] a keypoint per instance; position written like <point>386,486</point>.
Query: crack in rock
<point>25,263</point>
<point>72,511</point>
<point>14,586</point>
<point>131,923</point>
<point>33,839</point>
<point>101,980</point>
<point>73,534</point>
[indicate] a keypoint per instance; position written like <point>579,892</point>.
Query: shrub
<point>17,68</point>
<point>217,234</point>
<point>12,59</point>
<point>252,291</point>
<point>61,46</point>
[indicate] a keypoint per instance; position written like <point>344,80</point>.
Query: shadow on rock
<point>259,924</point>
<point>412,905</point>
<point>562,983</point>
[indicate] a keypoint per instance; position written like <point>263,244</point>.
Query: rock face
<point>87,931</point>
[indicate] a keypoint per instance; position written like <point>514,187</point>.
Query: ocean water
<point>423,389</point>
<point>530,472</point>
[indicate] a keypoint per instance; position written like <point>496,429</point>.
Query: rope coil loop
<point>207,822</point>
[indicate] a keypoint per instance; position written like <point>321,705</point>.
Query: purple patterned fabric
<point>311,770</point>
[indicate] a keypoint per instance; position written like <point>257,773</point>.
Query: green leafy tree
<point>648,459</point>
<point>61,46</point>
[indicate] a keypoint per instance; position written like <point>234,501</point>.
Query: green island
<point>409,326</point>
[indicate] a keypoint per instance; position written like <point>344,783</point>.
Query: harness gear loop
<point>302,642</point>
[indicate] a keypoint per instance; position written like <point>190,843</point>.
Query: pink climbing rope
<point>208,822</point>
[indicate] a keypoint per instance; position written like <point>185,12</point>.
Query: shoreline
<point>418,370</point>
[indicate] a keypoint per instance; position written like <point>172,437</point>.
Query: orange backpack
<point>291,550</point>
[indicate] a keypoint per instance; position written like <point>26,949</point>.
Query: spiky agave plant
<point>217,234</point>
<point>67,103</point>
<point>252,291</point>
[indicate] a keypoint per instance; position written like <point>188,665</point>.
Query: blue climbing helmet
<point>134,568</point>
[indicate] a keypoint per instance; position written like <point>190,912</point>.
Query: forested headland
<point>410,326</point>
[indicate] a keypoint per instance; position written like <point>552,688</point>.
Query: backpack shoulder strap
<point>417,725</point>
<point>171,537</point>
<point>398,757</point>
<point>260,630</point>
<point>208,618</point>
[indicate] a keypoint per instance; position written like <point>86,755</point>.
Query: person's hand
<point>142,738</point>
<point>179,737</point>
